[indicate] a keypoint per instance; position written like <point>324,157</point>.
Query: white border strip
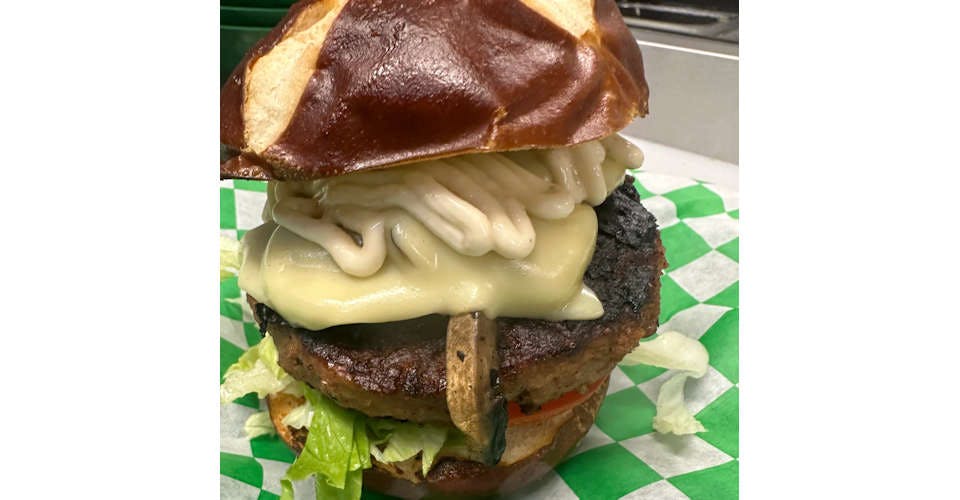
<point>692,51</point>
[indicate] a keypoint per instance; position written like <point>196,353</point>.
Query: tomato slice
<point>552,407</point>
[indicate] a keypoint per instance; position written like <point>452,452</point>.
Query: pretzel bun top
<point>341,86</point>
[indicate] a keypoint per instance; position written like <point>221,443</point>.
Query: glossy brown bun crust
<point>456,478</point>
<point>345,85</point>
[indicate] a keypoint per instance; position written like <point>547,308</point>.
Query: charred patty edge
<point>541,359</point>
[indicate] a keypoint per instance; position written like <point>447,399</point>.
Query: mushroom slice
<point>474,397</point>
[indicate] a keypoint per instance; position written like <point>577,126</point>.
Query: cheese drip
<point>422,275</point>
<point>507,234</point>
<point>474,203</point>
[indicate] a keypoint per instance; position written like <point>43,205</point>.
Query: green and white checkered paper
<point>621,456</point>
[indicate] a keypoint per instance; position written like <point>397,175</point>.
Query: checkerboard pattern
<point>621,456</point>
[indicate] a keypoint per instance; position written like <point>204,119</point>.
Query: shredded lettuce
<point>672,414</point>
<point>674,351</point>
<point>259,424</point>
<point>340,442</point>
<point>229,257</point>
<point>336,452</point>
<point>256,371</point>
<point>351,490</point>
<point>299,417</point>
<point>404,440</point>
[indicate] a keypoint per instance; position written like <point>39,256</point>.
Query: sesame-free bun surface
<point>346,85</point>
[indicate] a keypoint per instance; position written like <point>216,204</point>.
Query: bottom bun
<point>458,478</point>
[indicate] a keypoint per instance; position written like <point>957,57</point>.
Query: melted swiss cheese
<point>506,234</point>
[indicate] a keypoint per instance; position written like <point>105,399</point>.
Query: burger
<point>452,257</point>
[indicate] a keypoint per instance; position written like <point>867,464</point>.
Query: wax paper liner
<point>621,456</point>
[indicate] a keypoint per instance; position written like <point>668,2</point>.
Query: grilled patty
<point>398,369</point>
